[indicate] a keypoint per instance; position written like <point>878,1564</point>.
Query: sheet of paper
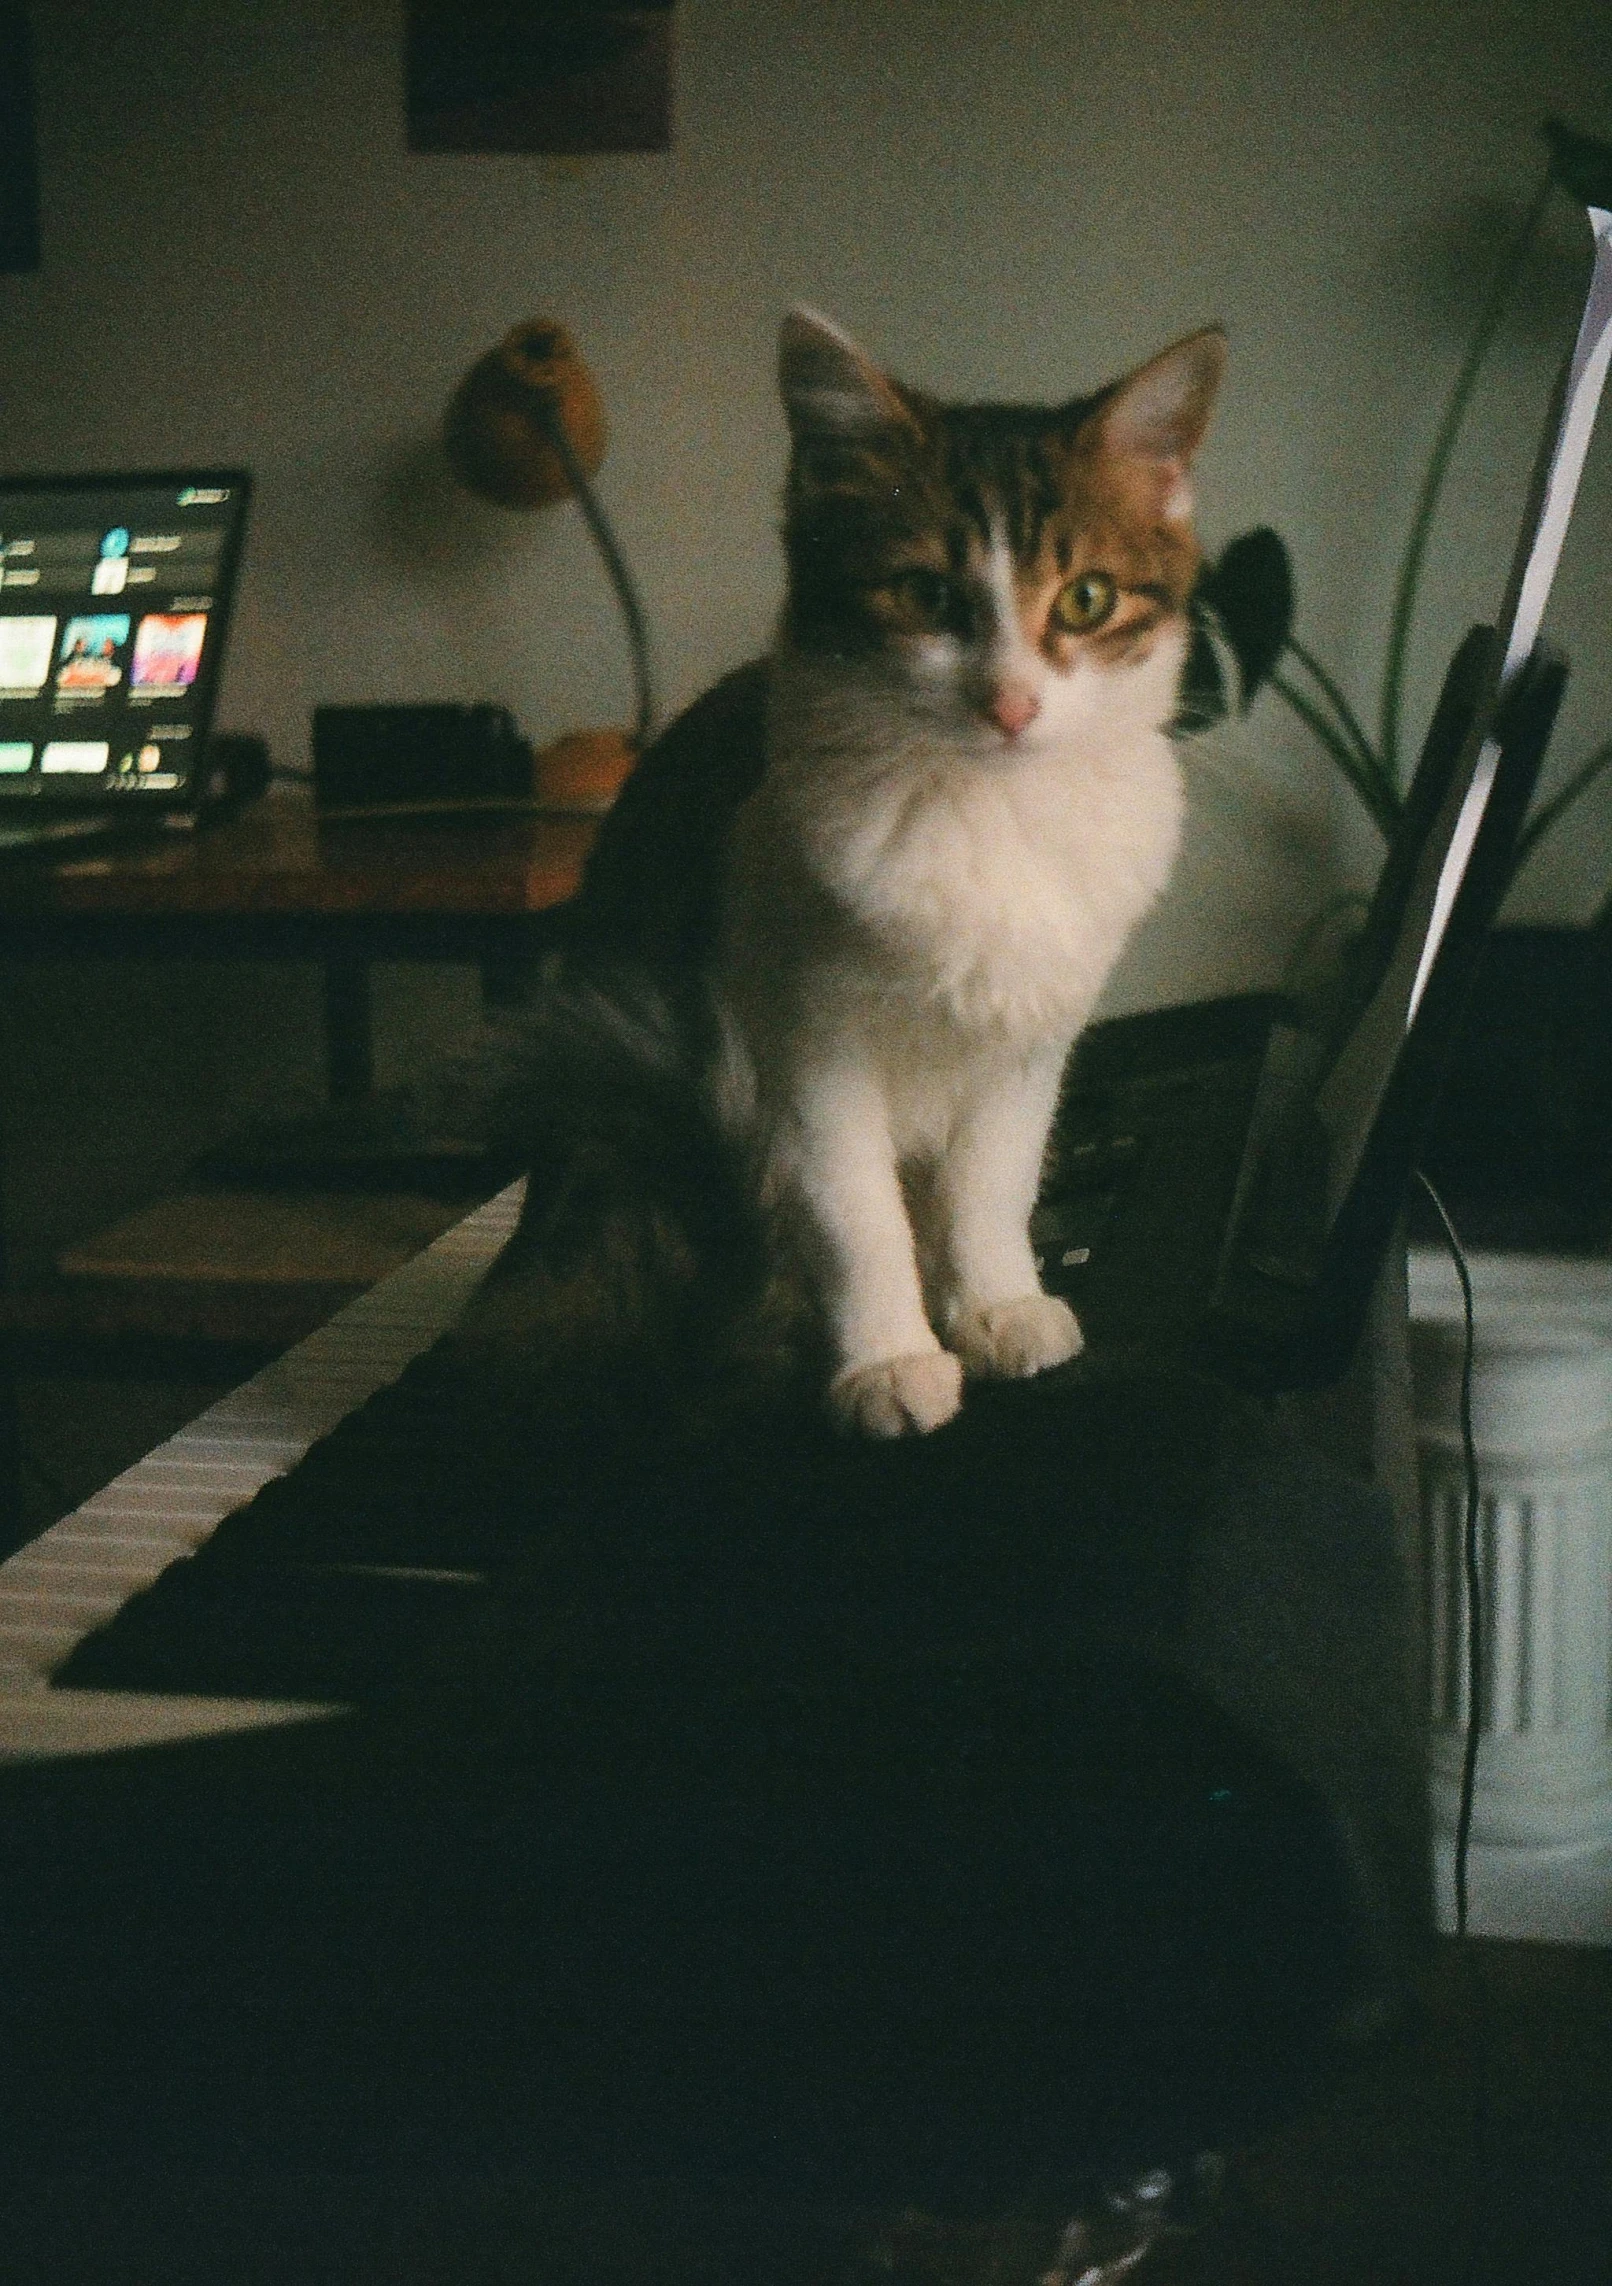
<point>1351,1095</point>
<point>1538,553</point>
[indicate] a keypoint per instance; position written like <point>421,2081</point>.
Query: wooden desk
<point>276,884</point>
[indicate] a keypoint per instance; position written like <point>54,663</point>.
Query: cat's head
<point>1008,576</point>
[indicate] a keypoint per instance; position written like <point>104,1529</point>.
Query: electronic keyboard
<point>401,1775</point>
<point>78,1576</point>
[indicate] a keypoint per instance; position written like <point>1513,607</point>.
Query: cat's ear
<point>1157,415</point>
<point>831,390</point>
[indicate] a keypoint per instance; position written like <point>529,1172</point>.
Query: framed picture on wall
<point>19,163</point>
<point>561,76</point>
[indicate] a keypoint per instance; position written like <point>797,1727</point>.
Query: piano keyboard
<point>628,1805</point>
<point>78,1575</point>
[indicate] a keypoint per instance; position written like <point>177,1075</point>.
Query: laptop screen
<point>114,599</point>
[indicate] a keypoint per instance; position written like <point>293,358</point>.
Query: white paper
<point>1539,551</point>
<point>1352,1092</point>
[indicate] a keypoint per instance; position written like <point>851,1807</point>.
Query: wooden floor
<point>1475,2151</point>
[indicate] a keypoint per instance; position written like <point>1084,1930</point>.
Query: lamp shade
<point>500,421</point>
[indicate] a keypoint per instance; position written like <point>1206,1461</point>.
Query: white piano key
<point>41,1723</point>
<point>78,1537</point>
<point>202,1452</point>
<point>30,1652</point>
<point>99,1569</point>
<point>42,1599</point>
<point>60,1605</point>
<point>129,1500</point>
<point>181,1475</point>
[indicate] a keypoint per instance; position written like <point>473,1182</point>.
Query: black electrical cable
<point>1469,1556</point>
<point>615,562</point>
<point>1481,2123</point>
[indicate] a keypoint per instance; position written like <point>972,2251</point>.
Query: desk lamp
<point>525,429</point>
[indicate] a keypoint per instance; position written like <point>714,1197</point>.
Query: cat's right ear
<point>832,392</point>
<point>1156,417</point>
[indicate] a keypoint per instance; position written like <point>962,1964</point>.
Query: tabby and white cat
<point>833,946</point>
<point>881,877</point>
<point>969,801</point>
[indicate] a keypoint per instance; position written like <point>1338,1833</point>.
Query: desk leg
<point>11,1508</point>
<point>12,1513</point>
<point>349,1033</point>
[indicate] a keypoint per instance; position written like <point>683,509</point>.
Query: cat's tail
<point>637,1252</point>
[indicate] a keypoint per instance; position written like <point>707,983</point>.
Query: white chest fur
<point>918,924</point>
<point>982,896</point>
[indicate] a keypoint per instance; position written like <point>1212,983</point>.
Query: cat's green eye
<point>1085,602</point>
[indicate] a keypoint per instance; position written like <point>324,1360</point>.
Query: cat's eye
<point>1085,602</point>
<point>928,593</point>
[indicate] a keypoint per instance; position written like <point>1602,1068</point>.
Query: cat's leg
<point>833,1171</point>
<point>991,1306</point>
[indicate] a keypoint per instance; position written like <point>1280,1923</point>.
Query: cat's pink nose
<point>1012,710</point>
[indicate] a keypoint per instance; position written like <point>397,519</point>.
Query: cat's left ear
<point>1157,415</point>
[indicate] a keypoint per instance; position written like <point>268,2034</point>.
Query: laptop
<point>115,597</point>
<point>1225,1178</point>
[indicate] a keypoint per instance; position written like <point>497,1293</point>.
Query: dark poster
<point>538,75</point>
<point>19,166</point>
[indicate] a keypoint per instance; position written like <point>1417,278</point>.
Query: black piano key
<point>317,1632</point>
<point>366,1569</point>
<point>446,1532</point>
<point>396,1554</point>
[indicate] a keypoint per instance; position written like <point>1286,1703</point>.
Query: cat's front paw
<point>1010,1340</point>
<point>898,1395</point>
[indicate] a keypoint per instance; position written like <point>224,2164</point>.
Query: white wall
<point>1008,197</point>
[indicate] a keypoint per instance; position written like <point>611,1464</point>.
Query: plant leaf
<point>1382,801</point>
<point>1250,590</point>
<point>1347,720</point>
<point>1582,164</point>
<point>1548,812</point>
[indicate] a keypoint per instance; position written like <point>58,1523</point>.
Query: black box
<point>370,756</point>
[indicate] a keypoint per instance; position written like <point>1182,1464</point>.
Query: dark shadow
<point>424,524</point>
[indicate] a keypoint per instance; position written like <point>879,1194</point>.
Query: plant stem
<point>1381,802</point>
<point>1548,812</point>
<point>1348,720</point>
<point>1410,570</point>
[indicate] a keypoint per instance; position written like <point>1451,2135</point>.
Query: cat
<point>883,876</point>
<point>783,1094</point>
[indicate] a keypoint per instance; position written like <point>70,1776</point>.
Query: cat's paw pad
<point>898,1395</point>
<point>1010,1340</point>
